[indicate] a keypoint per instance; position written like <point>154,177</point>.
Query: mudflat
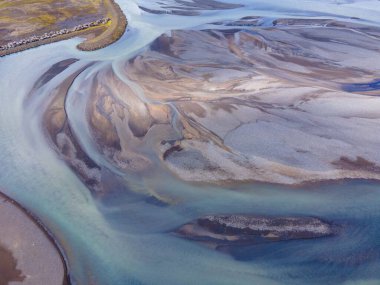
<point>8,267</point>
<point>28,254</point>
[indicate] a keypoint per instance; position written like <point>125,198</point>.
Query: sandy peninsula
<point>28,253</point>
<point>28,24</point>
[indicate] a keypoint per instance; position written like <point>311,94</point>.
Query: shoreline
<point>52,36</point>
<point>33,219</point>
<point>118,25</point>
<point>115,24</point>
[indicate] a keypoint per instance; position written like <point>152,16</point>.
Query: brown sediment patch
<point>108,120</point>
<point>99,110</point>
<point>59,132</point>
<point>53,71</point>
<point>28,251</point>
<point>174,148</point>
<point>8,267</point>
<point>193,108</point>
<point>359,163</point>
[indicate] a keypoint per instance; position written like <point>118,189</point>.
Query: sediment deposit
<point>177,122</point>
<point>243,103</point>
<point>28,253</point>
<point>248,230</point>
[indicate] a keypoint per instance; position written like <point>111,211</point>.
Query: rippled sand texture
<point>117,149</point>
<point>237,101</point>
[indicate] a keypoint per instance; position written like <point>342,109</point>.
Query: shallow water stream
<point>118,231</point>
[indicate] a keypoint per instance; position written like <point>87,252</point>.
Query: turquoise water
<point>123,238</point>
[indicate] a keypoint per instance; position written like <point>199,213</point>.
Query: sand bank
<point>28,253</point>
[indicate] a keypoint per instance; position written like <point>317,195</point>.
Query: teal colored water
<point>123,238</point>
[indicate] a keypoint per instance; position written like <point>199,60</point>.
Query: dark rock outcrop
<point>230,230</point>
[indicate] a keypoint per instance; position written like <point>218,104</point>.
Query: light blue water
<point>122,239</point>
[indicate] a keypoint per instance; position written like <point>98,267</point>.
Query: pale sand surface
<point>27,254</point>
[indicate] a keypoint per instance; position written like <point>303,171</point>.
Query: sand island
<point>214,143</point>
<point>27,24</point>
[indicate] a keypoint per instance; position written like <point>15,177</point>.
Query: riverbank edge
<point>117,15</point>
<point>34,219</point>
<point>118,27</point>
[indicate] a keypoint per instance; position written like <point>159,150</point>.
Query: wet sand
<point>241,120</point>
<point>28,254</point>
<point>8,267</point>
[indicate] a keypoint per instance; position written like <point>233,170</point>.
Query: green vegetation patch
<point>24,18</point>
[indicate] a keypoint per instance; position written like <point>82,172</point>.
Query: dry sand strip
<point>28,254</point>
<point>98,34</point>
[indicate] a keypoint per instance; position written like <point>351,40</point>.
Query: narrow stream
<point>119,236</point>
